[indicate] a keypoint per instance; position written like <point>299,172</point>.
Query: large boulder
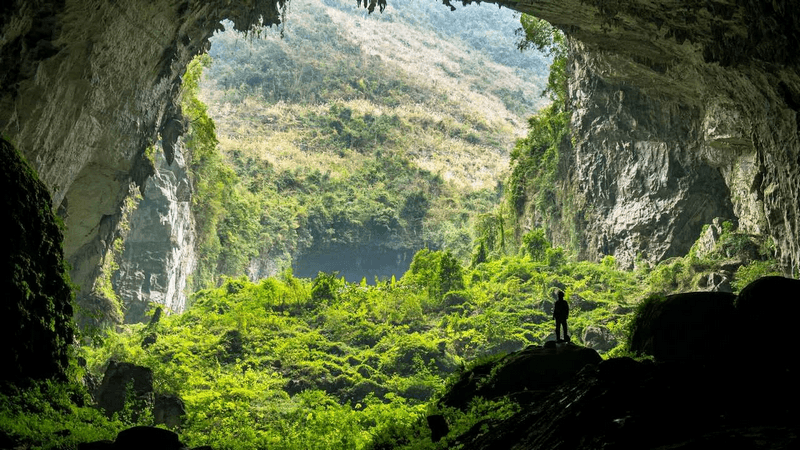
<point>138,438</point>
<point>534,369</point>
<point>685,327</point>
<point>598,338</point>
<point>771,307</point>
<point>168,410</point>
<point>125,382</point>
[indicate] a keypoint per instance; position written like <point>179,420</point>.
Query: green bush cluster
<point>740,257</point>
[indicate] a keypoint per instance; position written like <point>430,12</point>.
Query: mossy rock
<point>36,325</point>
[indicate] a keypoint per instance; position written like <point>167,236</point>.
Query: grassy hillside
<point>365,138</point>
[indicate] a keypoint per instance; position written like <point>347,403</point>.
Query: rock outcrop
<point>137,438</point>
<point>707,326</point>
<point>123,383</point>
<point>158,256</point>
<point>685,326</point>
<point>533,370</point>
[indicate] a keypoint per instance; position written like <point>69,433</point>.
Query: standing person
<point>560,313</point>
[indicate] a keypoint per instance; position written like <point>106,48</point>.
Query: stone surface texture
<point>86,86</point>
<point>158,256</point>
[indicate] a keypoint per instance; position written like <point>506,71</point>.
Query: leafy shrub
<point>535,244</point>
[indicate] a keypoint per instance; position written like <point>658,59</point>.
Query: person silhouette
<point>560,313</point>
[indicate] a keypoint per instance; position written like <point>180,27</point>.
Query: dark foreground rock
<point>705,326</point>
<point>624,404</point>
<point>141,438</point>
<point>530,371</point>
<point>122,380</point>
<point>685,326</point>
<point>770,306</point>
<point>744,395</point>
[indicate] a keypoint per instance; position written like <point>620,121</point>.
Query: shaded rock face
<point>122,380</point>
<point>706,326</point>
<point>168,410</point>
<point>770,305</point>
<point>685,326</point>
<point>623,404</point>
<point>598,338</point>
<point>533,370</point>
<point>159,249</point>
<point>36,306</point>
<point>137,438</point>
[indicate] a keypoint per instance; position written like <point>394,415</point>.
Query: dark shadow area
<point>355,263</point>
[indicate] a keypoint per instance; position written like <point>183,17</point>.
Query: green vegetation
<point>227,215</point>
<point>298,363</point>
<point>293,363</point>
<point>533,189</point>
<point>53,415</point>
<point>742,257</point>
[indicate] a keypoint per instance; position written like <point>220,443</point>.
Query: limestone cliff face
<point>685,110</point>
<point>158,256</point>
<point>636,170</point>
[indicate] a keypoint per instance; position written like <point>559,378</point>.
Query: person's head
<point>560,294</point>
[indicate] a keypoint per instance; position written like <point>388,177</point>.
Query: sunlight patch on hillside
<point>281,135</point>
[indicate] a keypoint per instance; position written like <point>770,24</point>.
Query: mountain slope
<point>376,135</point>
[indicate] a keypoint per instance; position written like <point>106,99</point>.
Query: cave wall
<point>712,87</point>
<point>158,255</point>
<point>639,184</point>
